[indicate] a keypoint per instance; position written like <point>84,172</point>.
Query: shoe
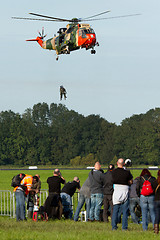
<point>89,220</point>
<point>156,228</point>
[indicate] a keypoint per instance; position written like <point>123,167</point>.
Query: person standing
<point>66,195</point>
<point>54,182</point>
<point>27,182</point>
<point>108,191</point>
<point>96,186</point>
<point>84,197</point>
<point>134,202</point>
<point>146,199</point>
<point>157,203</point>
<point>33,197</point>
<point>121,179</point>
<point>53,203</point>
<point>20,197</point>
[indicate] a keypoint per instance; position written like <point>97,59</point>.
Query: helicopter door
<point>61,39</point>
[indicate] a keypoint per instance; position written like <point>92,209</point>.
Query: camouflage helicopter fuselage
<point>73,37</point>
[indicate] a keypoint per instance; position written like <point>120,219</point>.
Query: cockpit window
<point>84,31</point>
<point>91,30</point>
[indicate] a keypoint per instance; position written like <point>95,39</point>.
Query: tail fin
<point>38,39</point>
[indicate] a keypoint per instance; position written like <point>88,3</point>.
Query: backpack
<point>146,188</point>
<point>16,180</point>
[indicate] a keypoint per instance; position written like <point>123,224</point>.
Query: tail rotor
<point>40,38</point>
<point>42,34</point>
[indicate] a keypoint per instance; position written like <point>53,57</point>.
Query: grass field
<point>69,230</point>
<point>6,176</point>
<point>64,229</point>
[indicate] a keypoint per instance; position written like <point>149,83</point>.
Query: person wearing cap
<point>66,195</point>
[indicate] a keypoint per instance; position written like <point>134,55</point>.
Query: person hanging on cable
<point>63,93</point>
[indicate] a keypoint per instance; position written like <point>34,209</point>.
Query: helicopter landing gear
<point>67,52</point>
<point>93,51</point>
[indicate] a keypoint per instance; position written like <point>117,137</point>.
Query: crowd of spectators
<point>115,190</point>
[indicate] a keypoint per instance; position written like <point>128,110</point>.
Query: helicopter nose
<point>91,39</point>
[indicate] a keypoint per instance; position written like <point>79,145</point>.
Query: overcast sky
<point>120,80</point>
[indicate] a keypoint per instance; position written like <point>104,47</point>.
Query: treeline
<point>54,135</point>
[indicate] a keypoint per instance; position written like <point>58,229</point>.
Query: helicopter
<point>74,36</point>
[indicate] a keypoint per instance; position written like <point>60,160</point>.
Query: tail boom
<point>38,39</point>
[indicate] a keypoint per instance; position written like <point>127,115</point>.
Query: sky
<point>120,80</point>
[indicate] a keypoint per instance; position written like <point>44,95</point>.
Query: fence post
<point>14,209</point>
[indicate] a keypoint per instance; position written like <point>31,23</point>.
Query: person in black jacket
<point>67,192</point>
<point>107,191</point>
<point>146,202</point>
<point>53,203</point>
<point>122,179</point>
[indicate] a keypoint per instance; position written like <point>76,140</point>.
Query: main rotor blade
<point>36,19</point>
<point>42,31</point>
<point>96,15</point>
<point>54,18</point>
<point>95,19</point>
<point>39,34</point>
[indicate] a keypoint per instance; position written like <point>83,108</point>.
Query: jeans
<point>157,212</point>
<point>133,203</point>
<point>82,200</point>
<point>67,205</point>
<point>30,205</point>
<point>20,205</point>
<point>125,208</point>
<point>96,203</point>
<point>147,203</point>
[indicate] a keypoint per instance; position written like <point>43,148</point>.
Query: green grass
<point>6,176</point>
<point>69,230</point>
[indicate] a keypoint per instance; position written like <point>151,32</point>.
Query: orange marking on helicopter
<point>89,41</point>
<point>38,39</point>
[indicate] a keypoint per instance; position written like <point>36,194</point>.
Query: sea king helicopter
<point>74,36</point>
